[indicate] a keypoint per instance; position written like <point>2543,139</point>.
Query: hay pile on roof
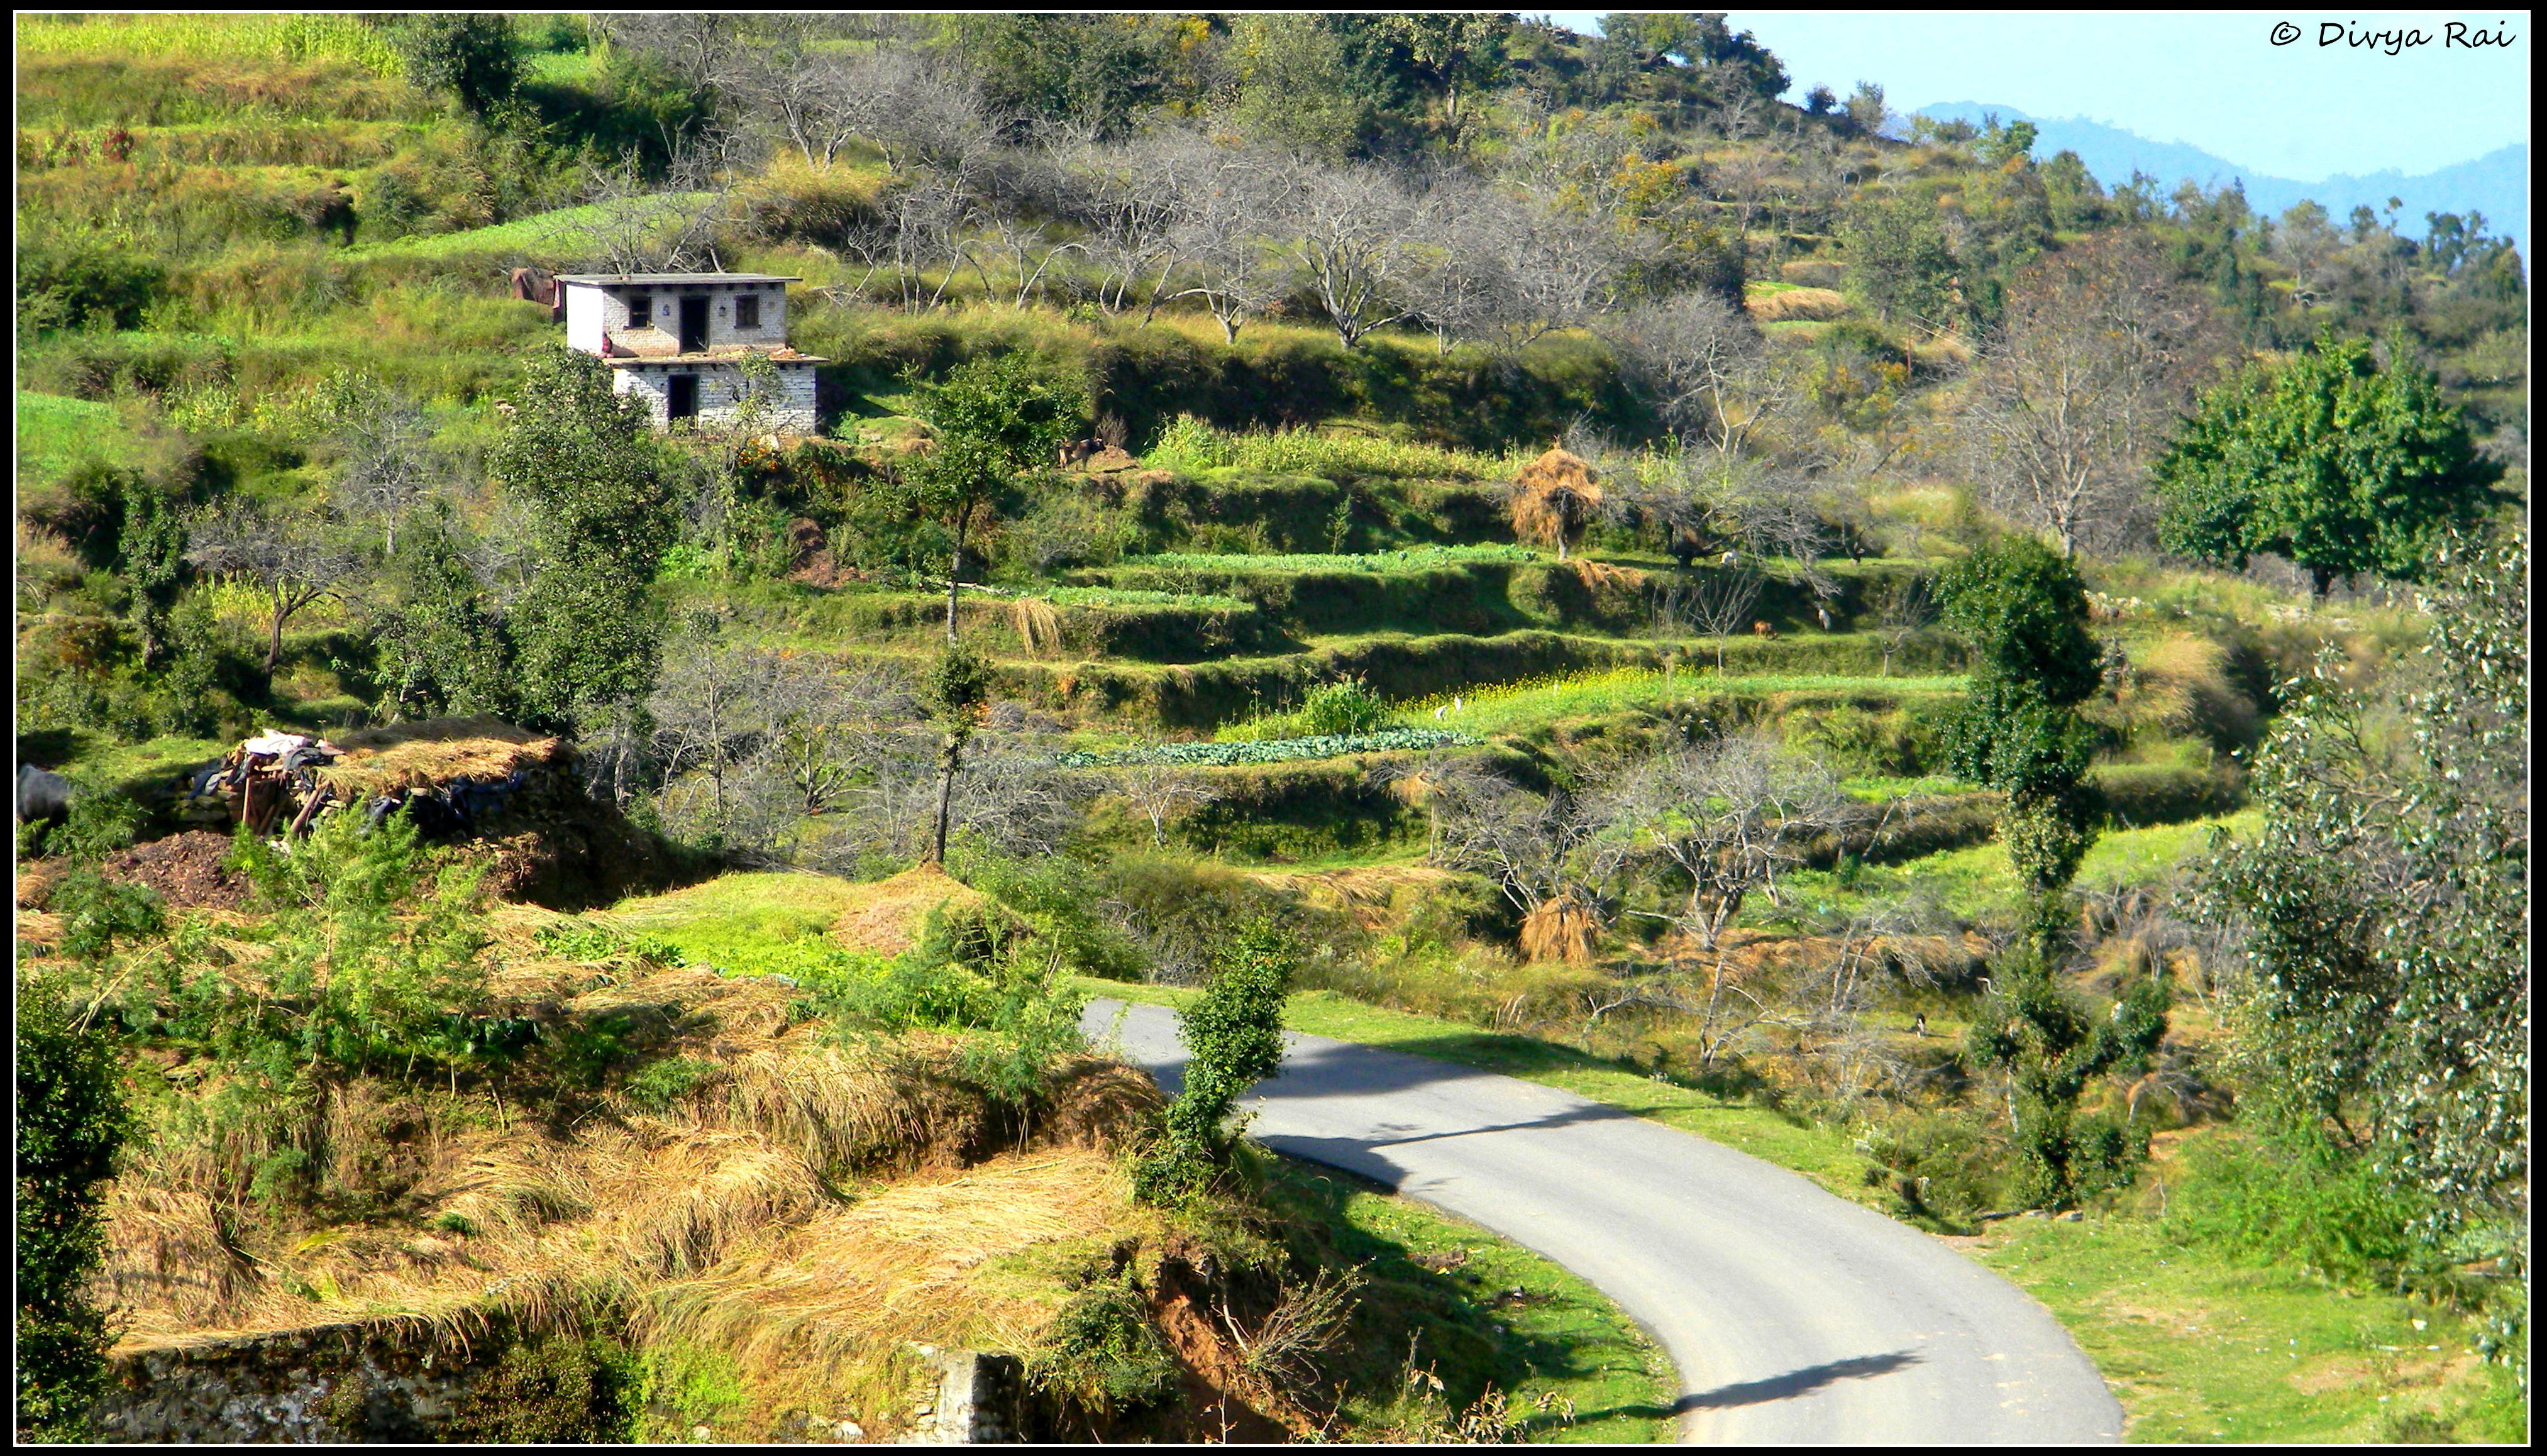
<point>1553,498</point>
<point>485,781</point>
<point>436,752</point>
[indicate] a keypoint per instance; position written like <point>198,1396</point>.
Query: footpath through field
<point>1793,1317</point>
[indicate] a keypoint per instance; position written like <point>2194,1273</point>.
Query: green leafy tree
<point>1899,261</point>
<point>475,57</point>
<point>996,421</point>
<point>2381,1007</point>
<point>2024,612</point>
<point>1455,54</point>
<point>72,1121</point>
<point>2332,461</point>
<point>588,629</point>
<point>1298,87</point>
<point>443,650</point>
<point>957,684</point>
<point>1233,1035</point>
<point>153,550</point>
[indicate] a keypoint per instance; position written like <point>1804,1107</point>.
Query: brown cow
<point>541,287</point>
<point>1074,452</point>
<point>1763,629</point>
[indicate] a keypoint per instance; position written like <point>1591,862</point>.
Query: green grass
<point>2200,1350</point>
<point>554,233</point>
<point>1557,1337</point>
<point>1976,883</point>
<point>1408,559</point>
<point>56,433</point>
<point>739,918</point>
<point>287,38</point>
<point>1190,446</point>
<point>1530,702</point>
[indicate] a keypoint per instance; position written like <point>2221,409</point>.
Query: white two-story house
<point>676,339</point>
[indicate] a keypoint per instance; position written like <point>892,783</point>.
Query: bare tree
<point>388,461</point>
<point>1904,610</point>
<point>1219,233</point>
<point>710,711</point>
<point>1717,604</point>
<point>1729,815</point>
<point>638,228</point>
<point>2079,386</point>
<point>1347,232</point>
<point>1535,848</point>
<point>1158,789</point>
<point>1456,285</point>
<point>831,722</point>
<point>295,555</point>
<point>1129,198</point>
<point>1703,364</point>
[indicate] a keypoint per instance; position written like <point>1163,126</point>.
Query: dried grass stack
<point>1038,626</point>
<point>1560,929</point>
<point>1553,498</point>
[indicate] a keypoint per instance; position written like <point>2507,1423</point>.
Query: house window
<point>746,311</point>
<point>641,311</point>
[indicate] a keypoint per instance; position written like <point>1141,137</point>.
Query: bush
<point>2274,1202</point>
<point>1347,706</point>
<point>70,284</point>
<point>1233,1036</point>
<point>72,1121</point>
<point>1100,1352</point>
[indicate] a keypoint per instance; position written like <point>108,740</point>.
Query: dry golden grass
<point>1038,625</point>
<point>439,750</point>
<point>2179,685</point>
<point>1560,929</point>
<point>1552,498</point>
<point>1793,305</point>
<point>730,1220</point>
<point>885,917</point>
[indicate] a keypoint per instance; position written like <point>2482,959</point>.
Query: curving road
<point>1793,1317</point>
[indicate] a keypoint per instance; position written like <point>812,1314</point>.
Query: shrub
<point>1233,1035</point>
<point>657,1085</point>
<point>1101,1352</point>
<point>1342,707</point>
<point>2272,1201</point>
<point>72,1121</point>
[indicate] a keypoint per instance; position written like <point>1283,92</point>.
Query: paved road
<point>1793,1317</point>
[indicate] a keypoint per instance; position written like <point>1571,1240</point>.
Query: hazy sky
<point>2212,79</point>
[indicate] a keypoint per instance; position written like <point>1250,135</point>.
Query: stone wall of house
<point>719,390</point>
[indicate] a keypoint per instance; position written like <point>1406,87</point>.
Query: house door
<point>682,402</point>
<point>694,326</point>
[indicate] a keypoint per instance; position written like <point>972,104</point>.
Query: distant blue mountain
<point>2496,184</point>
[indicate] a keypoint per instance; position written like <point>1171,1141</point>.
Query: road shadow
<point>1795,1382</point>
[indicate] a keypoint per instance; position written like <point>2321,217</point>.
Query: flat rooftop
<point>729,354</point>
<point>672,278</point>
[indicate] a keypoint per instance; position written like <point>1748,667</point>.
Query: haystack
<point>891,912</point>
<point>1553,498</point>
<point>1560,929</point>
